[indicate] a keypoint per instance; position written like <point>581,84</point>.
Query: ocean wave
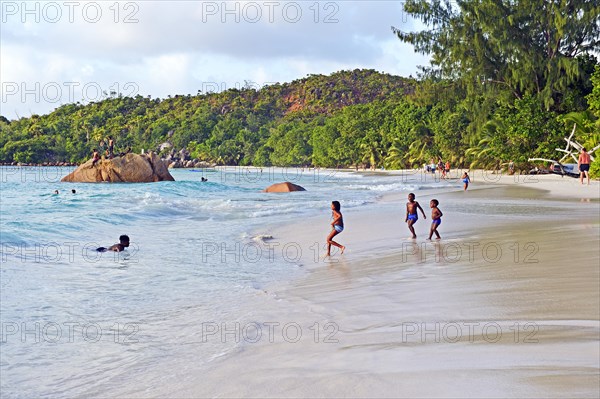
<point>262,237</point>
<point>384,187</point>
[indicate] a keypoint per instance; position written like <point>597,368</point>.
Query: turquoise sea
<point>75,321</point>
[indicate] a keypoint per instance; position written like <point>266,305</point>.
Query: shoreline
<point>383,296</point>
<point>545,187</point>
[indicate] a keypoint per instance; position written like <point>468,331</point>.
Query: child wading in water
<point>411,213</point>
<point>337,227</point>
<point>466,180</point>
<point>436,216</point>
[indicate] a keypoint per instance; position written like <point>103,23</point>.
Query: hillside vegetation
<point>350,118</point>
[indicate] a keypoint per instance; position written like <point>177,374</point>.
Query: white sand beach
<point>507,304</point>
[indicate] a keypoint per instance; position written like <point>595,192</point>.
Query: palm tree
<point>585,130</point>
<point>371,151</point>
<point>421,150</point>
<point>395,157</point>
<point>481,150</point>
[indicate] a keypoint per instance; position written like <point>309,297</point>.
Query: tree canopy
<point>528,47</point>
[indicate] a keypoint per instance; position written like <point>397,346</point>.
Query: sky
<point>58,52</point>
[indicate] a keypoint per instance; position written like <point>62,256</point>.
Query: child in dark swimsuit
<point>337,226</point>
<point>436,216</point>
<point>411,213</point>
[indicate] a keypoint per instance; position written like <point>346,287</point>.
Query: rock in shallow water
<point>285,187</point>
<point>131,168</point>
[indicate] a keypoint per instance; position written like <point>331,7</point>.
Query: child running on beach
<point>436,216</point>
<point>411,213</point>
<point>337,226</point>
<point>466,180</point>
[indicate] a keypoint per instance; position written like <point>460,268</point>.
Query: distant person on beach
<point>337,226</point>
<point>95,157</point>
<point>436,218</point>
<point>120,247</point>
<point>447,167</point>
<point>442,168</point>
<point>111,147</point>
<point>584,165</point>
<point>411,213</point>
<point>511,168</point>
<point>466,180</point>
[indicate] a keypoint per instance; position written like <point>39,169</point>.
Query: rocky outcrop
<point>194,163</point>
<point>130,168</point>
<point>285,187</point>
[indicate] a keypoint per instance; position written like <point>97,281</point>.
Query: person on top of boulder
<point>95,157</point>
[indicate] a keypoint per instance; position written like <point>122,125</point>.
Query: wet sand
<point>507,304</point>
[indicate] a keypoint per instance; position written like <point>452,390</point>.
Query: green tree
<point>517,132</point>
<point>593,98</point>
<point>525,46</point>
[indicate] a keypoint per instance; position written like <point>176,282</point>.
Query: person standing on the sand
<point>584,165</point>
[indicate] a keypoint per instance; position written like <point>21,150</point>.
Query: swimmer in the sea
<point>123,243</point>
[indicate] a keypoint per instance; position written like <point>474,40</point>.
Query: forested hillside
<point>237,126</point>
<point>350,118</point>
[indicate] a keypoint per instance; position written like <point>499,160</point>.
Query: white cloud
<point>179,47</point>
